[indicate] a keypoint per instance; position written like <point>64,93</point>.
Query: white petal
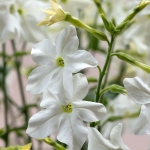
<point>44,52</point>
<point>72,131</point>
<point>49,100</point>
<point>137,90</point>
<point>89,111</point>
<point>80,60</point>
<point>80,87</point>
<point>97,141</point>
<point>39,79</point>
<point>115,137</point>
<point>44,123</point>
<point>68,83</point>
<point>142,125</point>
<point>66,41</point>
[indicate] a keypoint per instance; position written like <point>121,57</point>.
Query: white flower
<point>66,115</point>
<point>120,106</point>
<point>58,62</point>
<point>140,93</point>
<point>98,142</point>
<point>10,21</point>
<point>19,19</point>
<point>30,15</point>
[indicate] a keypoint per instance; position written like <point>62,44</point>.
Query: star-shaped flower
<point>66,115</point>
<point>98,142</point>
<point>140,93</point>
<point>58,62</point>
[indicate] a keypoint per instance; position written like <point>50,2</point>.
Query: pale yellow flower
<point>55,14</point>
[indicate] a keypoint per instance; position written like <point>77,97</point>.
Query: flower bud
<point>78,23</point>
<point>55,14</point>
<point>127,58</point>
<point>136,10</point>
<point>114,88</point>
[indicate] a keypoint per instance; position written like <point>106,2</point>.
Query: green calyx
<point>68,108</point>
<point>60,62</point>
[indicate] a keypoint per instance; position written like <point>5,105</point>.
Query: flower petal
<point>80,60</point>
<point>97,141</point>
<point>44,123</point>
<point>71,129</point>
<point>68,83</point>
<point>44,52</point>
<point>89,111</point>
<point>39,79</point>
<point>115,137</point>
<point>66,41</point>
<point>49,99</point>
<point>137,90</point>
<point>80,87</point>
<point>143,123</point>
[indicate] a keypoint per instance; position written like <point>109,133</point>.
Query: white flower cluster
<point>19,19</point>
<point>64,111</point>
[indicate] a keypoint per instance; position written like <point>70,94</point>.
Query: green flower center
<point>20,11</point>
<point>60,62</point>
<point>12,9</point>
<point>68,108</point>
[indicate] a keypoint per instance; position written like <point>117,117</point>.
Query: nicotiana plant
<point>81,115</point>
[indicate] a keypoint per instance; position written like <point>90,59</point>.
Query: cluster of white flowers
<point>66,112</point>
<point>63,92</point>
<point>22,19</point>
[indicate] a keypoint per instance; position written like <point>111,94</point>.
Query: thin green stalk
<point>19,78</point>
<point>20,83</point>
<point>5,93</point>
<point>53,143</point>
<point>115,118</point>
<point>103,72</point>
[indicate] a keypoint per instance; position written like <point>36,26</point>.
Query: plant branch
<point>4,92</point>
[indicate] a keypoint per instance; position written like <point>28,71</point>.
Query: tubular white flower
<point>97,141</point>
<point>66,115</point>
<point>58,61</point>
<point>140,93</point>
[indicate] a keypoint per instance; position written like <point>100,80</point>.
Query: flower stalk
<point>103,72</point>
<point>52,143</point>
<point>78,23</point>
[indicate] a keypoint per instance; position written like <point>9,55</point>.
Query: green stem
<point>19,79</point>
<point>103,72</point>
<point>17,62</point>
<point>115,118</point>
<point>78,23</point>
<point>53,143</point>
<point>4,92</point>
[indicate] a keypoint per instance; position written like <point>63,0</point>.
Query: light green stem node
<point>60,62</point>
<point>68,108</point>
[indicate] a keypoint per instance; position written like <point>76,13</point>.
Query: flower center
<point>60,62</point>
<point>68,108</point>
<point>20,11</point>
<point>12,9</point>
